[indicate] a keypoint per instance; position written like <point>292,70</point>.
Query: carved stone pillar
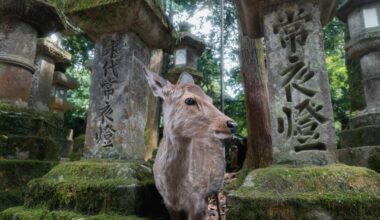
<point>118,102</point>
<point>300,107</point>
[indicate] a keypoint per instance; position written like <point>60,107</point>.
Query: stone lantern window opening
<point>56,38</point>
<point>371,16</point>
<point>180,57</point>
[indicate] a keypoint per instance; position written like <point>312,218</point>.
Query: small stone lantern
<point>361,141</point>
<point>61,84</point>
<point>186,54</point>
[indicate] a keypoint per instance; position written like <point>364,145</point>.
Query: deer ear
<point>185,78</point>
<point>156,82</point>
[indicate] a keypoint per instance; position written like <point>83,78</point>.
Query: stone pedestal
<point>22,21</point>
<point>361,141</point>
<point>300,106</point>
<point>48,55</point>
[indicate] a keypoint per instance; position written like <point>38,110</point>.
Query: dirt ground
<point>212,205</point>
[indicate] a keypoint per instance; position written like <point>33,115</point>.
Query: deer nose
<point>232,126</point>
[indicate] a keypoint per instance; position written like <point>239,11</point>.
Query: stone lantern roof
<point>143,17</point>
<point>48,48</point>
<point>43,16</point>
<point>251,14</point>
<point>347,6</point>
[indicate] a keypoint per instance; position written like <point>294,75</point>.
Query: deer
<point>190,162</point>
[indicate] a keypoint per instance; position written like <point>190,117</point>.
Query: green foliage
<point>81,49</point>
<point>334,35</point>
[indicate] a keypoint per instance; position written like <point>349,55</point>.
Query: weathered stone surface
<point>39,13</point>
<point>109,16</point>
<point>370,64</point>
<point>118,106</point>
<point>253,11</point>
<point>42,83</point>
<point>300,106</point>
<point>368,156</point>
<point>91,187</point>
<point>16,60</point>
<point>327,192</point>
<point>22,21</point>
<point>361,136</point>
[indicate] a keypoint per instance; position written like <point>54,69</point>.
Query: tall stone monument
<point>361,141</point>
<point>118,103</point>
<point>299,96</point>
<point>22,21</point>
<point>302,123</point>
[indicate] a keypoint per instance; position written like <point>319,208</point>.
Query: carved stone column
<point>300,107</point>
<point>118,103</point>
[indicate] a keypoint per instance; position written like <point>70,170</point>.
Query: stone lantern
<point>50,57</point>
<point>186,54</point>
<point>361,141</point>
<point>21,23</point>
<point>60,86</point>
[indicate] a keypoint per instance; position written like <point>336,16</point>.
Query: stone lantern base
<point>361,142</point>
<point>94,190</point>
<point>317,193</point>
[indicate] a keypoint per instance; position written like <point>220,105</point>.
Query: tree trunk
<point>153,120</point>
<point>259,149</point>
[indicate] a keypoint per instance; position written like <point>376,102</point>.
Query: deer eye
<point>190,101</point>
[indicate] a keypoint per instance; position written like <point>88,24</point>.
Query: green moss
<point>43,213</point>
<point>95,186</point>
<point>343,192</point>
<point>78,148</point>
<point>14,176</point>
<point>10,197</point>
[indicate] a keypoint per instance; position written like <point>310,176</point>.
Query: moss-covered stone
<point>27,133</point>
<point>29,122</point>
<point>14,176</point>
<point>29,147</point>
<point>330,192</point>
<point>90,187</point>
<point>22,213</point>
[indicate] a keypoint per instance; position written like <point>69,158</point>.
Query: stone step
<point>30,147</point>
<point>91,187</point>
<point>22,213</point>
<point>14,176</point>
<point>363,136</point>
<point>311,192</point>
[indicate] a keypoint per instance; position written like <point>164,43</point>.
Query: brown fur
<point>190,164</point>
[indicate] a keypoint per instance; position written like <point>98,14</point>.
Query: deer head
<point>188,111</point>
